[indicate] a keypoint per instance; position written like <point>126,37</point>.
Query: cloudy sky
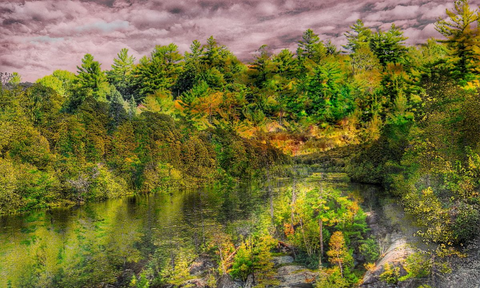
<point>38,37</point>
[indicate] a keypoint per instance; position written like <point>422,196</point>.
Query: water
<point>96,243</point>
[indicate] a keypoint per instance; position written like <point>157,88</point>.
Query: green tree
<point>220,66</point>
<point>132,107</point>
<point>15,79</point>
<point>92,79</point>
<point>261,68</point>
<point>189,76</point>
<point>326,99</point>
<point>159,71</point>
<point>254,257</point>
<point>285,64</point>
<point>462,33</point>
<point>43,105</point>
<point>121,75</point>
<point>96,117</point>
<point>10,200</point>
<point>389,46</point>
<point>159,102</point>
<point>361,56</point>
<point>331,49</point>
<point>358,37</point>
<point>212,52</point>
<point>71,140</point>
<point>117,108</point>
<point>310,47</point>
<point>61,81</point>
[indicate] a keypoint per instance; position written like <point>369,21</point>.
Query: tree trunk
<point>172,260</point>
<point>203,222</point>
<point>270,193</point>
<point>224,270</point>
<point>309,250</point>
<point>320,225</point>
<point>294,199</point>
<point>341,268</point>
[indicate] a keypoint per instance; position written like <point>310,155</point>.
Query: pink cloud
<point>38,37</point>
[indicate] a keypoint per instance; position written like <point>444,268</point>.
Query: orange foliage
<point>288,229</point>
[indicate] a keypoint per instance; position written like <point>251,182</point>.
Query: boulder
<point>225,281</point>
<point>201,265</point>
<point>250,283</point>
<point>295,276</point>
<point>395,255</point>
<point>282,260</point>
<point>200,283</point>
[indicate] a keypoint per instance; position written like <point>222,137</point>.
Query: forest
<point>404,118</point>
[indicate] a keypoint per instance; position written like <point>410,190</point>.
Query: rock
<point>225,281</point>
<point>372,218</point>
<point>194,283</point>
<point>357,258</point>
<point>375,224</point>
<point>201,265</point>
<point>395,255</point>
<point>295,276</point>
<point>465,272</point>
<point>250,282</point>
<point>281,260</point>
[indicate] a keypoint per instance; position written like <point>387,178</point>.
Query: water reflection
<point>98,242</point>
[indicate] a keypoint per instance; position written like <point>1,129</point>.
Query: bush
<point>417,265</point>
<point>243,261</point>
<point>370,250</point>
<point>391,274</point>
<point>466,224</point>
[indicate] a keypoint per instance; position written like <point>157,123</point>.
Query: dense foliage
<point>70,149</point>
<point>428,153</point>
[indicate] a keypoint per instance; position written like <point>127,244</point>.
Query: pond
<point>106,242</point>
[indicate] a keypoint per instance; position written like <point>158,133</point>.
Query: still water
<point>95,244</point>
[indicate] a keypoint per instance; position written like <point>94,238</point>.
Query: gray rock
<point>372,218</point>
<point>225,281</point>
<point>201,265</point>
<point>281,260</point>
<point>250,282</point>
<point>295,276</point>
<point>395,255</point>
<point>465,272</point>
<point>200,283</point>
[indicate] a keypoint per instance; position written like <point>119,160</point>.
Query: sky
<point>38,37</point>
